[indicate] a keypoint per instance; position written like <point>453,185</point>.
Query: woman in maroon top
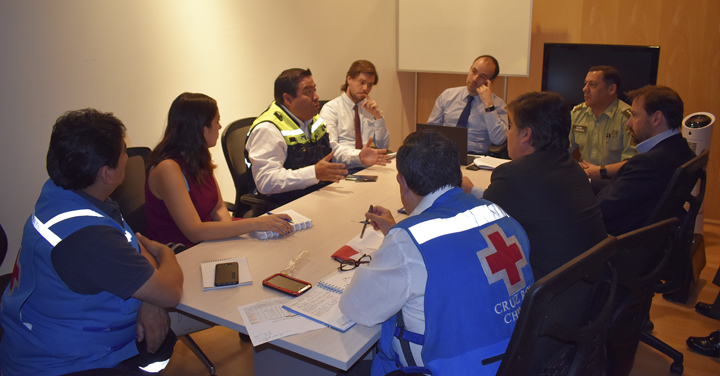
<point>182,201</point>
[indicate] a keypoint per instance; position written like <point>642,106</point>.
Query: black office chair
<point>233,145</point>
<point>322,103</point>
<point>5,278</point>
<point>564,319</point>
<point>641,256</point>
<point>130,196</point>
<point>688,257</point>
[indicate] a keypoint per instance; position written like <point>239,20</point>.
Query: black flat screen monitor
<point>565,66</point>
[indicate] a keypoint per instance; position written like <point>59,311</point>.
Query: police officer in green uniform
<point>288,148</point>
<point>598,125</point>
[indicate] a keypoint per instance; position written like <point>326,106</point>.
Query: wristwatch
<point>603,172</point>
<point>490,109</point>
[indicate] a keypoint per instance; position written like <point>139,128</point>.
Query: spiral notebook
<point>320,304</point>
<point>299,222</point>
<point>207,270</point>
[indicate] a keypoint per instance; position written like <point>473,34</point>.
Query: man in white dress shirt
<point>442,279</point>
<point>474,107</point>
<point>353,117</point>
<point>288,147</point>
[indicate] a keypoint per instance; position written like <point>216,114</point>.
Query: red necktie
<point>358,133</point>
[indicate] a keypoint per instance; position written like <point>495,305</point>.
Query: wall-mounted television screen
<point>565,66</point>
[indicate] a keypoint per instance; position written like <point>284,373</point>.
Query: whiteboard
<point>446,36</point>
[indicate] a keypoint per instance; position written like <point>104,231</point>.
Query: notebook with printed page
<point>320,304</point>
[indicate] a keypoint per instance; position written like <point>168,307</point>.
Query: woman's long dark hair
<point>189,115</point>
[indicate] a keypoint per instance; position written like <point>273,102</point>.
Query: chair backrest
<point>641,257</point>
<point>564,317</point>
<point>130,195</point>
<point>681,199</point>
<point>233,145</point>
<point>3,244</point>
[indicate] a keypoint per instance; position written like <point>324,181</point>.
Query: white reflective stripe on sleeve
<point>475,217</point>
<point>155,367</point>
<point>315,125</point>
<point>294,132</point>
<point>44,228</point>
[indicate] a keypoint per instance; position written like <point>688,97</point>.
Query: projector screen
<point>446,36</point>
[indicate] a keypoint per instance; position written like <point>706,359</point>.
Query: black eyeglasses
<point>351,264</point>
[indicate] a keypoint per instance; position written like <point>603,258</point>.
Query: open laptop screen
<point>457,135</point>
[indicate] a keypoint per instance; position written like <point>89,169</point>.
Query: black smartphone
<point>286,284</point>
<point>361,178</point>
<point>472,167</point>
<point>226,273</point>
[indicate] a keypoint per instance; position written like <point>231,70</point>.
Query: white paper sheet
<point>266,320</point>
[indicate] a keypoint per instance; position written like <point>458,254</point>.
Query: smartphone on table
<point>286,284</point>
<point>226,273</point>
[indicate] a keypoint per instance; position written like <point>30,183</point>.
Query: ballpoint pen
<point>366,223</point>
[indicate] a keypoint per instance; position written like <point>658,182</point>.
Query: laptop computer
<point>457,135</point>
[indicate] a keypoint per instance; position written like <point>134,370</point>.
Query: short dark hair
<point>82,142</point>
<point>494,60</point>
<point>610,75</point>
<point>357,67</point>
<point>429,161</point>
<point>287,82</point>
<point>547,114</point>
<point>189,115</point>
<point>663,99</point>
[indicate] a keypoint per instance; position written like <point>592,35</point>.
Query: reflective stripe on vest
<point>44,228</point>
<point>431,229</point>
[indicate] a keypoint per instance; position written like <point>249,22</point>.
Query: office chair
<point>641,257</point>
<point>688,257</point>
<point>322,103</point>
<point>130,196</point>
<point>5,278</point>
<point>564,319</point>
<point>233,145</point>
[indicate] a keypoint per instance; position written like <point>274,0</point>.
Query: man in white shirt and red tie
<point>353,117</point>
<point>474,107</point>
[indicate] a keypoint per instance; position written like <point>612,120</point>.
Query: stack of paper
<point>299,222</point>
<point>489,163</point>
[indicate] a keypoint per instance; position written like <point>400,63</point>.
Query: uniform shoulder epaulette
<point>627,112</point>
<point>578,107</point>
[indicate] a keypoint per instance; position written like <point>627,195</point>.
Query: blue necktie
<point>463,120</point>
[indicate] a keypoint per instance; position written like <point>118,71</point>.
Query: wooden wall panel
<point>687,31</point>
<point>431,85</point>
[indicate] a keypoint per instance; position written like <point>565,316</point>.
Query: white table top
<point>336,211</point>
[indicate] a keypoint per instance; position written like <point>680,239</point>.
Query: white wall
<point>133,57</point>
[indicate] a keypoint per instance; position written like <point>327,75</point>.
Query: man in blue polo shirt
<point>457,261</point>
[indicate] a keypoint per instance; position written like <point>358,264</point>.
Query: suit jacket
<point>630,197</point>
<point>548,193</point>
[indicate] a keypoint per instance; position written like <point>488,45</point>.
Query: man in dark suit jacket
<point>543,188</point>
<point>627,200</point>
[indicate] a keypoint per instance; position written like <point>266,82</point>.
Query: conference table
<point>336,212</point>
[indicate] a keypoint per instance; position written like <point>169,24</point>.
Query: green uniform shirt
<point>604,140</point>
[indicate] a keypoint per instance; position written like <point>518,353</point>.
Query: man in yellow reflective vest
<point>288,148</point>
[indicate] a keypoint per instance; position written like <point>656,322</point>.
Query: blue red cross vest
<point>49,329</point>
<point>476,258</point>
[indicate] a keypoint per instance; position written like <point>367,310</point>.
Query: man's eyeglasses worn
<point>351,264</point>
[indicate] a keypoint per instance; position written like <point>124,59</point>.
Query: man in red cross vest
<point>448,281</point>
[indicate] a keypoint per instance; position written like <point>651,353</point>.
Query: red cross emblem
<point>503,259</point>
<point>15,281</point>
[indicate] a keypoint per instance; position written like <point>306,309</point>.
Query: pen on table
<point>366,222</point>
<point>289,220</point>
